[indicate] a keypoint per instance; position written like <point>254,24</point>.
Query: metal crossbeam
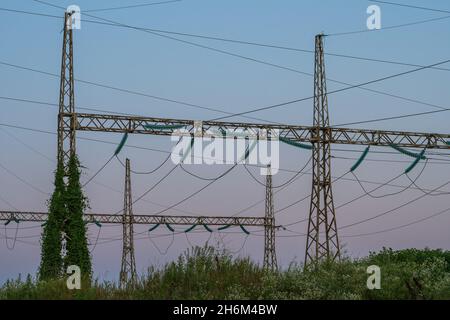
<point>149,125</point>
<point>29,216</point>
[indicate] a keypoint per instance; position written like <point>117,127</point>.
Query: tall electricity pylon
<point>66,115</point>
<point>322,240</point>
<point>270,256</point>
<point>128,269</point>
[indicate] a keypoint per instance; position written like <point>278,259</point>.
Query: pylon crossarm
<point>28,216</point>
<point>25,216</point>
<point>167,127</point>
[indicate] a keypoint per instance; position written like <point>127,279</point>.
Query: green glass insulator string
<point>164,126</point>
<point>360,160</point>
<point>295,143</point>
<point>406,152</point>
<point>153,228</point>
<point>190,228</point>
<point>415,162</point>
<point>121,144</point>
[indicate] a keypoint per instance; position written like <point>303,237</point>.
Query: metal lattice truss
<point>322,241</point>
<point>24,216</point>
<point>270,255</point>
<point>128,274</point>
<point>66,134</point>
<point>161,127</point>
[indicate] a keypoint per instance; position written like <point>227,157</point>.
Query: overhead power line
<point>337,90</point>
<point>196,105</point>
<point>318,88</point>
<point>380,185</point>
<point>414,23</point>
<point>196,192</point>
<point>151,188</point>
<point>50,104</point>
<point>272,46</point>
<point>391,160</point>
<point>240,114</point>
<point>396,208</point>
<point>8,203</point>
<point>98,171</point>
<point>265,62</point>
<point>287,182</point>
<point>403,116</point>
<point>45,156</point>
<point>31,13</point>
<point>145,172</point>
<point>97,84</point>
<point>236,41</point>
<point>398,227</point>
<point>351,86</point>
<point>410,6</point>
<point>168,152</point>
<point>113,23</point>
<point>169,172</point>
<point>24,181</point>
<point>96,182</point>
<point>384,230</point>
<point>132,6</point>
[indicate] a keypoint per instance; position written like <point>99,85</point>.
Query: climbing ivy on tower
<point>77,252</point>
<point>51,259</point>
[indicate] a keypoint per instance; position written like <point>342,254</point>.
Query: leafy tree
<point>77,252</point>
<point>51,259</point>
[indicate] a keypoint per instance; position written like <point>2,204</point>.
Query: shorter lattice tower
<point>128,269</point>
<point>270,256</point>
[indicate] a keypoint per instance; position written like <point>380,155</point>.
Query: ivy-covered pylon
<point>77,252</point>
<point>51,259</point>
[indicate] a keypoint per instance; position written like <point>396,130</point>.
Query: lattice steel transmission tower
<point>128,269</point>
<point>270,256</point>
<point>322,239</point>
<point>66,115</point>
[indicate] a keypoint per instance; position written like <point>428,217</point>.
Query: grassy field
<point>204,273</point>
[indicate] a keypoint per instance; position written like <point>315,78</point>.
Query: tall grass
<point>205,273</point>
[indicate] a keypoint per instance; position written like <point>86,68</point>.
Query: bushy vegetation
<point>65,225</point>
<point>51,259</point>
<point>77,252</point>
<point>205,273</point>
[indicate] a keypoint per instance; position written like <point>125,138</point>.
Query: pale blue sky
<point>142,62</point>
